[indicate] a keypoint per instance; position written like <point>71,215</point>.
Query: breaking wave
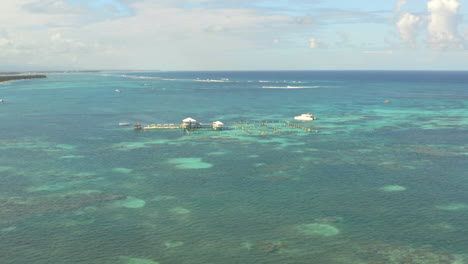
<point>130,76</point>
<point>292,87</point>
<point>213,80</point>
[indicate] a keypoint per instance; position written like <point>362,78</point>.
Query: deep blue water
<point>374,182</point>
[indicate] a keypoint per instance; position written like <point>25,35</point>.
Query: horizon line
<point>141,70</point>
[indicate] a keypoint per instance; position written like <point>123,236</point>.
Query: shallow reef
<point>14,208</point>
<point>269,246</point>
<point>399,254</point>
<point>132,260</point>
<point>190,163</point>
<point>393,188</point>
<point>328,220</point>
<point>318,229</point>
<point>453,207</point>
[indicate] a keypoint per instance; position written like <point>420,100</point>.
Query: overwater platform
<point>267,127</point>
<point>158,126</point>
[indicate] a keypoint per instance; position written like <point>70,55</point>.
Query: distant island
<point>6,78</point>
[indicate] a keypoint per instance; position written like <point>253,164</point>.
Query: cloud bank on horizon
<point>232,34</point>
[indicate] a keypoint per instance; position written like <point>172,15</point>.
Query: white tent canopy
<point>189,120</point>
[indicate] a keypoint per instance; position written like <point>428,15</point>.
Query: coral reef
<point>179,210</point>
<point>131,202</point>
<point>269,247</point>
<point>398,254</point>
<point>278,178</point>
<point>395,166</point>
<point>132,260</point>
<point>276,168</point>
<point>122,170</point>
<point>433,150</point>
<point>173,244</point>
<point>453,207</point>
<point>328,220</point>
<point>16,207</point>
<point>318,229</point>
<point>190,163</point>
<point>393,188</point>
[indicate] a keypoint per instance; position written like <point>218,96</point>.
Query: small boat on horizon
<point>305,117</point>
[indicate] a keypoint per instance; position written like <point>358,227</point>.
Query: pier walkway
<point>265,127</point>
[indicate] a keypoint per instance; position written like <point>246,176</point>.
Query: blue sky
<point>233,34</point>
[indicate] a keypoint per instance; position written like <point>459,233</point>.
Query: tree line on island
<point>5,78</point>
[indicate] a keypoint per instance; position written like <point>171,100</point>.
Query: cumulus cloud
<point>381,52</point>
<point>307,20</point>
<point>4,40</point>
<point>343,36</point>
<point>216,28</point>
<point>400,4</point>
<point>50,7</point>
<point>440,25</point>
<point>64,45</point>
<point>443,23</point>
<point>154,34</point>
<point>409,26</point>
<point>313,43</point>
<point>343,39</point>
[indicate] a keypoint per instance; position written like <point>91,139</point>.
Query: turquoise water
<point>373,183</point>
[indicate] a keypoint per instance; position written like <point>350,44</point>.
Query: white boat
<point>305,117</point>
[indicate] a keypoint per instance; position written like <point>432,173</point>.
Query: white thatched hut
<point>190,123</point>
<point>189,120</point>
<point>217,125</point>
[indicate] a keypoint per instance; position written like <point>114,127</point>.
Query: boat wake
<point>292,87</point>
<point>130,76</point>
<point>214,80</point>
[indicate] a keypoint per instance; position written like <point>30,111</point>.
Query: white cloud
<point>383,52</point>
<point>442,29</point>
<point>400,4</point>
<point>343,39</point>
<point>440,25</point>
<point>204,34</point>
<point>66,45</point>
<point>313,43</point>
<point>409,26</point>
<point>307,20</point>
<point>154,35</point>
<point>216,28</point>
<point>50,7</point>
<point>4,40</point>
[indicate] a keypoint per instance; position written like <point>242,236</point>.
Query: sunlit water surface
<point>371,182</point>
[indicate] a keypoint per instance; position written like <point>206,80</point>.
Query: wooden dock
<point>301,127</point>
<point>242,128</point>
<point>155,127</point>
<point>262,128</point>
<point>272,127</point>
<point>195,126</point>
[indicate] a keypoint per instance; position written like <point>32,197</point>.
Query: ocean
<point>379,177</point>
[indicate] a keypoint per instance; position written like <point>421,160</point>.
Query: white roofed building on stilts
<point>190,123</point>
<point>218,125</point>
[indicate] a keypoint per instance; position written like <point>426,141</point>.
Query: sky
<point>233,35</point>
